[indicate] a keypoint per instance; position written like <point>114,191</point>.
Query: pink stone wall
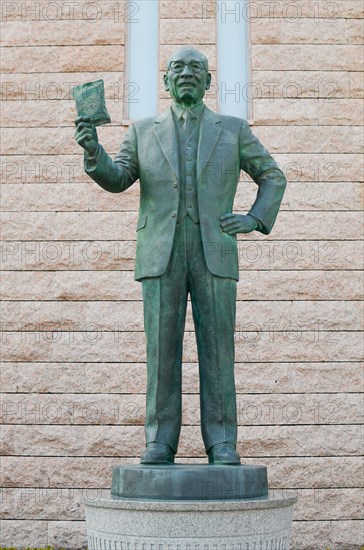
<point>73,371</point>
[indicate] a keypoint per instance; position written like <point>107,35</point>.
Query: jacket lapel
<point>166,134</point>
<point>210,131</point>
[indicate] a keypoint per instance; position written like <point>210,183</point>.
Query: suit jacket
<point>149,152</point>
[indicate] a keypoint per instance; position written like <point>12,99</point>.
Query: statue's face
<point>187,77</point>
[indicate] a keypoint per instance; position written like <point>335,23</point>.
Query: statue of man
<point>188,160</point>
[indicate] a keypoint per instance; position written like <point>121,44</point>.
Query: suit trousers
<point>213,302</point>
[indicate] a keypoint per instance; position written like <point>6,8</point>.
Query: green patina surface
<point>188,160</point>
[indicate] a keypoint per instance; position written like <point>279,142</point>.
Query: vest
<point>187,156</point>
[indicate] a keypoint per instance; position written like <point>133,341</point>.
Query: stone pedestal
<point>189,482</point>
<point>186,522</point>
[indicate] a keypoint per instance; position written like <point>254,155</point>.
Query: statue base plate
<point>189,482</point>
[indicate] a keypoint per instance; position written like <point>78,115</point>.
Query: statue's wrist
<point>92,156</point>
<point>257,222</point>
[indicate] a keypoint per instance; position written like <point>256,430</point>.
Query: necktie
<point>187,123</point>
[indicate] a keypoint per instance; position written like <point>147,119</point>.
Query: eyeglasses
<point>195,67</point>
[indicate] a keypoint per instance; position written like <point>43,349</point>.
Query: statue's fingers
<point>83,125</point>
<point>226,221</point>
<point>231,227</point>
<point>84,132</point>
<point>82,119</point>
<point>81,141</point>
<point>227,216</point>
<point>228,229</point>
<point>83,136</point>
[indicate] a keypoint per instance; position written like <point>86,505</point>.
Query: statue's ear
<point>208,81</point>
<point>165,79</point>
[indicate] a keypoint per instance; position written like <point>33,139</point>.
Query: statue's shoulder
<point>144,123</point>
<point>232,122</point>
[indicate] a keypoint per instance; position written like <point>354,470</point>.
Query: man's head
<point>187,77</point>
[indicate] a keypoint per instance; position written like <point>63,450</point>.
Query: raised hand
<point>86,134</point>
<point>237,223</point>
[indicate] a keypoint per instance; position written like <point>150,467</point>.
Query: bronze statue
<point>188,160</point>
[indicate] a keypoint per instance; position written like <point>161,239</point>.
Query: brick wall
<point>73,372</point>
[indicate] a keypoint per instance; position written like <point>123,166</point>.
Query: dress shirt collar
<point>196,110</point>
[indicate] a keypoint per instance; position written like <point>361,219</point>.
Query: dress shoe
<point>223,453</point>
<point>157,453</point>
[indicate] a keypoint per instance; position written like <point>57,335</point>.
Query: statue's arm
<point>113,175</point>
<point>262,168</point>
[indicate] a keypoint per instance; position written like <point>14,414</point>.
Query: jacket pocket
<point>141,222</point>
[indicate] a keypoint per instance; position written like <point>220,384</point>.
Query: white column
<point>232,57</point>
<point>141,74</point>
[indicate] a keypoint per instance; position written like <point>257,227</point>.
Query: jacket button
<point>174,214</point>
<point>189,206</point>
<point>175,185</point>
